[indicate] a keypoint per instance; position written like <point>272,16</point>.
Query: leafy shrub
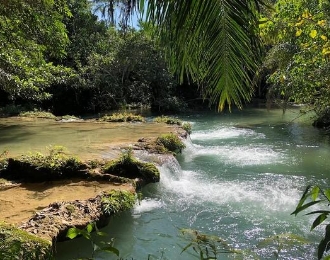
<point>129,167</point>
<point>122,117</point>
<point>37,114</point>
<point>187,127</point>
<point>171,142</point>
<point>168,120</point>
<point>116,201</point>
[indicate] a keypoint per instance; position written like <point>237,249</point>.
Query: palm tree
<point>214,42</point>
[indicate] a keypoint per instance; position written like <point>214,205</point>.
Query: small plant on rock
<point>129,167</point>
<point>115,201</point>
<point>168,120</point>
<point>171,142</point>
<point>187,127</point>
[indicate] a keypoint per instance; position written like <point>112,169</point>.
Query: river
<point>239,178</point>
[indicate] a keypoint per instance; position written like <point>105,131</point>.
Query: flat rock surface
<point>19,202</point>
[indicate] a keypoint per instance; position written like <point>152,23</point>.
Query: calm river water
<point>239,179</point>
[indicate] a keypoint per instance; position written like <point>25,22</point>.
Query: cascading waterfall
<point>240,184</point>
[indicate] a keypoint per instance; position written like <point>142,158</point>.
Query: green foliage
<point>32,33</point>
<point>129,167</point>
<point>168,120</point>
<point>122,117</point>
<point>298,62</point>
<point>37,114</point>
<point>174,121</point>
<point>117,201</point>
<point>18,244</point>
<point>314,195</point>
<point>87,234</point>
<point>187,126</point>
<point>171,142</point>
<point>222,36</point>
<point>37,167</point>
<point>126,68</point>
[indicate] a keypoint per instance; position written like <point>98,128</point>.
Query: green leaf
<point>85,234</point>
<point>307,205</point>
<point>100,233</point>
<point>302,199</point>
<point>110,249</point>
<point>319,212</point>
<point>319,220</point>
<point>313,34</point>
<point>327,194</point>
<point>73,232</point>
<point>89,228</point>
<point>315,192</point>
<point>324,244</point>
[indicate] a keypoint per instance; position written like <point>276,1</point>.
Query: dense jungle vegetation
<point>80,56</point>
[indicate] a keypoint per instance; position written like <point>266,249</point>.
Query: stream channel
<point>239,178</point>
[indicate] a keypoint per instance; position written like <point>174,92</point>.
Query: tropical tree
<point>214,42</point>
<point>32,34</point>
<point>298,62</point>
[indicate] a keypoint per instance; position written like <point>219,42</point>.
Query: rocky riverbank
<point>42,200</point>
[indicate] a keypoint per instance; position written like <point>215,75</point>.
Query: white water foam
<point>226,133</point>
<point>271,192</point>
<point>146,205</point>
<point>245,155</point>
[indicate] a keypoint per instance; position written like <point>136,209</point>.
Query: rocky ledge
<point>37,237</point>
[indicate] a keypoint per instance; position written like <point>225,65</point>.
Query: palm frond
<point>215,42</point>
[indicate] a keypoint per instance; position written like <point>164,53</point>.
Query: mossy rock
<point>29,171</point>
<point>38,167</point>
<point>170,142</point>
<point>18,244</point>
<point>129,167</point>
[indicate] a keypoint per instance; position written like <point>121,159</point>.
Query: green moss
<point>18,244</point>
<point>122,117</point>
<point>129,167</point>
<point>171,142</point>
<point>36,167</point>
<point>37,114</point>
<point>116,201</point>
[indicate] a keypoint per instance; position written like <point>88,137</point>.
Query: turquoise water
<point>239,179</point>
